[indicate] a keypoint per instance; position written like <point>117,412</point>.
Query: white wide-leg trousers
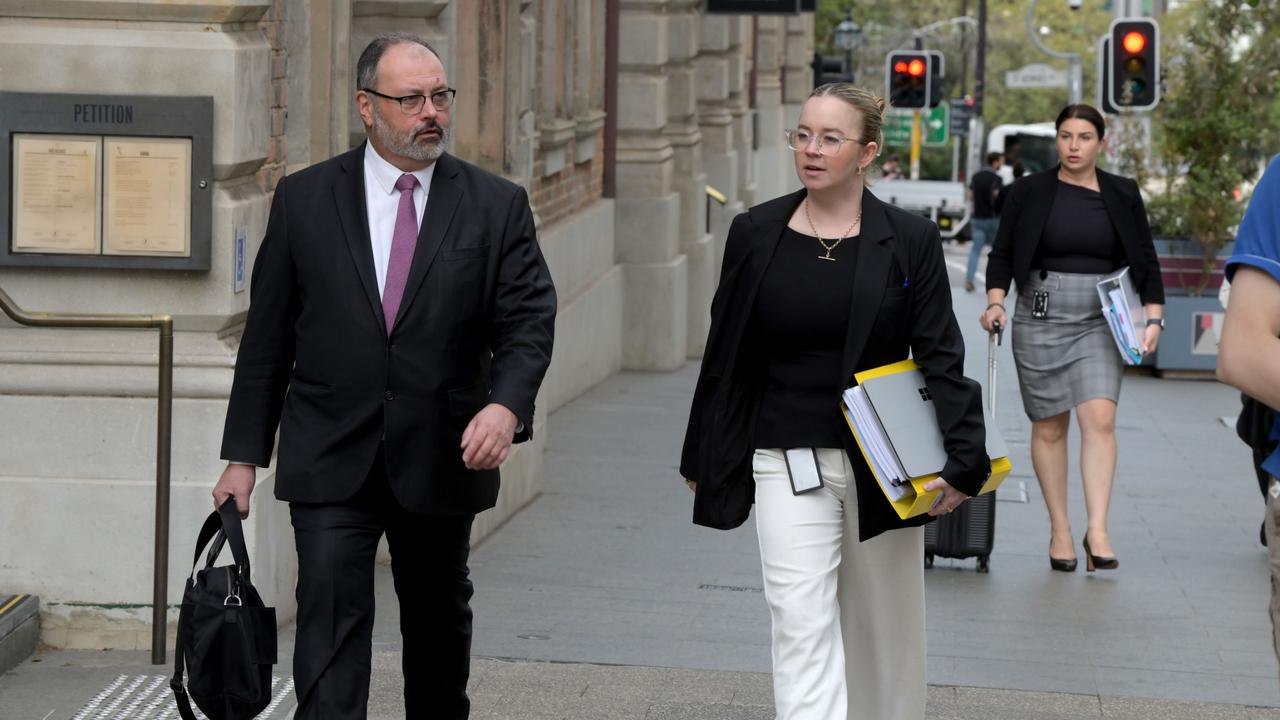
<point>848,617</point>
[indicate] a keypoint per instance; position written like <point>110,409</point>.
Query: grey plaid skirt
<point>1068,356</point>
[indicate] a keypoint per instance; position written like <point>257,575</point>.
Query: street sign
<point>961,112</point>
<point>1036,75</point>
<point>936,126</point>
<point>897,127</point>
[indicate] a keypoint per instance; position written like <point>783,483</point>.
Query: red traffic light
<point>900,67</point>
<point>916,68</point>
<point>1134,42</point>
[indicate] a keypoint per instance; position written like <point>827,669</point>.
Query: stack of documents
<point>891,414</point>
<point>1125,314</point>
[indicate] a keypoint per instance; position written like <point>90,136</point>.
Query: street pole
<point>916,137</point>
<point>1074,74</point>
<point>916,133</point>
<point>961,143</point>
<point>977,127</point>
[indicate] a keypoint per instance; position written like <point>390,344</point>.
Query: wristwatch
<point>1156,321</point>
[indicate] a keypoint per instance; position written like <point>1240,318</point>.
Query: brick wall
<point>555,197</point>
<point>273,27</point>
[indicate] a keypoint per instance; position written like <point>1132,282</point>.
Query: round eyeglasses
<point>828,143</point>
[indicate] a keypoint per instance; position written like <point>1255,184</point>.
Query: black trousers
<point>336,545</point>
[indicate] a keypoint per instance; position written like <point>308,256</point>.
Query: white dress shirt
<point>382,203</point>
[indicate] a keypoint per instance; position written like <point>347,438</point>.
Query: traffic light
<point>827,69</point>
<point>937,76</point>
<point>907,79</point>
<point>1104,77</point>
<point>1135,64</point>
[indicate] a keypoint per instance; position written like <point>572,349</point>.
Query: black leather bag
<point>226,636</point>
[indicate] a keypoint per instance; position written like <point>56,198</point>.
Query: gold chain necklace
<point>822,242</point>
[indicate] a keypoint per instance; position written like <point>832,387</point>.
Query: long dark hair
<point>1082,112</point>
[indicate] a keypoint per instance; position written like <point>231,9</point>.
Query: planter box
<point>1192,327</point>
<point>1182,266</point>
<point>1192,323</point>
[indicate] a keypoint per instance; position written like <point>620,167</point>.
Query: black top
<point>800,319</point>
<point>1078,238</point>
<point>1024,220</point>
<point>985,184</point>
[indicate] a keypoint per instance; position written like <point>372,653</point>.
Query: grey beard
<point>404,145</point>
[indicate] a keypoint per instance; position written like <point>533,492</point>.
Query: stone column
<point>797,75</point>
<point>648,240</point>
<point>321,84</point>
<point>738,103</point>
<point>775,173</point>
<point>682,131</point>
<point>77,408</point>
<point>715,64</point>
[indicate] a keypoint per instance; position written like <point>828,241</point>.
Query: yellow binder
<point>904,400</point>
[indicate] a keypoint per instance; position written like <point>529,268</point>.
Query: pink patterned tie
<point>403,241</point>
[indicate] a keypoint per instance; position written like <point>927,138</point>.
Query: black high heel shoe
<point>1097,562</point>
<point>1061,565</point>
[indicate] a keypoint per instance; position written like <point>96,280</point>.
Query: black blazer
<point>901,303</point>
<point>1026,211</point>
<point>475,326</point>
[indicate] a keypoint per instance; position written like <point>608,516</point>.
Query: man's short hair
<point>367,65</point>
<point>992,157</point>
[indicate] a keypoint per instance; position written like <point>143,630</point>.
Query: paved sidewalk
<point>602,600</point>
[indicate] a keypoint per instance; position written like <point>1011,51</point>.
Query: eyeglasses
<point>800,139</point>
<point>412,104</point>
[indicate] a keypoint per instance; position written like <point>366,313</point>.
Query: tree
<point>1219,116</point>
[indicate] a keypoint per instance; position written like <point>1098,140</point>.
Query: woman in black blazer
<point>1061,230</point>
<point>815,286</point>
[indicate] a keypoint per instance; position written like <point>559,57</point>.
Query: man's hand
<point>236,481</point>
<point>486,442</point>
<point>949,499</point>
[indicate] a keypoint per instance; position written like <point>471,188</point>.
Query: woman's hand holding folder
<point>949,499</point>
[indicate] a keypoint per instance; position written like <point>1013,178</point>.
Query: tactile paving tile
<point>148,697</point>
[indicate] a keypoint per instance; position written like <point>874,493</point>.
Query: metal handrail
<point>164,436</point>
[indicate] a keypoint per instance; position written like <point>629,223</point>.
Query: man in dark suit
<point>400,325</point>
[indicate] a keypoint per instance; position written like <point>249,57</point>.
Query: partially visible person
<point>1061,231</point>
<point>1003,193</point>
<point>892,168</point>
<point>983,188</point>
<point>815,286</point>
<point>1249,352</point>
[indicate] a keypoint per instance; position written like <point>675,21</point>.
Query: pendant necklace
<point>838,240</point>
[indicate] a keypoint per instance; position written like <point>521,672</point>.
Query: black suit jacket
<point>901,304</point>
<point>475,326</point>
<point>1026,212</point>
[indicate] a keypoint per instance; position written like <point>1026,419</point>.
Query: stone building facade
<point>618,187</point>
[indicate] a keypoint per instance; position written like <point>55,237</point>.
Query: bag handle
<point>227,520</point>
<point>212,525</point>
<point>234,533</point>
